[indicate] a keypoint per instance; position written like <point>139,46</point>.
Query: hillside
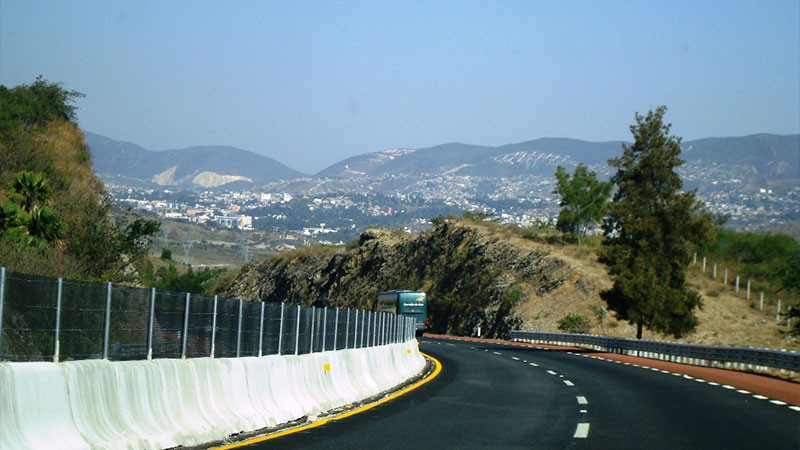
<point>194,167</point>
<point>483,274</point>
<point>761,158</point>
<point>55,218</point>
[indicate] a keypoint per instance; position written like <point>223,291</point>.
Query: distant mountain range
<point>193,167</point>
<point>760,157</point>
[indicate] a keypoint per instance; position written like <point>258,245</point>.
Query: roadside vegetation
<point>55,218</point>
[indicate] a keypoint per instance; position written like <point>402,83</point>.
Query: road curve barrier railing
<point>52,319</point>
<point>738,358</point>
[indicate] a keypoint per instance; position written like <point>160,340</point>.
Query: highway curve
<point>498,396</point>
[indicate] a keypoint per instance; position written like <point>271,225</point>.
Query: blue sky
<point>310,83</point>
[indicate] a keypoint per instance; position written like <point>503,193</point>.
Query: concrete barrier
<point>168,402</point>
<point>36,412</point>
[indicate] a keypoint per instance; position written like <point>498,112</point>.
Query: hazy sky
<point>310,83</point>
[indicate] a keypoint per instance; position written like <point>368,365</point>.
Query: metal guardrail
<point>701,355</point>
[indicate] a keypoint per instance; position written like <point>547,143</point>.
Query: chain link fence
<point>48,319</point>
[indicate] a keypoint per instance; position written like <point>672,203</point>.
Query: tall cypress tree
<point>650,231</point>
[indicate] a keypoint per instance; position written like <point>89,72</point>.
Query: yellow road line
<point>319,423</point>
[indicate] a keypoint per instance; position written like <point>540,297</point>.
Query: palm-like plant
<point>45,224</point>
<point>29,190</point>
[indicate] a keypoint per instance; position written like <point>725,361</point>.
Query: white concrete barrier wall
<point>165,403</point>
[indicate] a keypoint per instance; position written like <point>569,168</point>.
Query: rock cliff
<point>475,276</point>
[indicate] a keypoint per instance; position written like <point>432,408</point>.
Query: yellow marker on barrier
<point>408,351</point>
<point>436,371</point>
<point>326,367</point>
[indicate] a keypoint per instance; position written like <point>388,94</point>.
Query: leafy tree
<point>583,200</point>
<point>650,231</point>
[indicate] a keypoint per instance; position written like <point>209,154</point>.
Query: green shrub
<point>574,323</point>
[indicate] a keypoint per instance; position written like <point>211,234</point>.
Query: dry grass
<point>726,318</point>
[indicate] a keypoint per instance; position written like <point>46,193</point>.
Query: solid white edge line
<point>581,431</point>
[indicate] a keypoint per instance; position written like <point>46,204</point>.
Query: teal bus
<point>406,303</point>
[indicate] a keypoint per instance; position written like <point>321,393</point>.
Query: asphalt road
<point>494,396</point>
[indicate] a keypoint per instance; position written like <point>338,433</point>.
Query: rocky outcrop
<point>474,277</point>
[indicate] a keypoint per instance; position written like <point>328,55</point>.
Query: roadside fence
<point>736,282</point>
<point>739,358</point>
<point>48,319</point>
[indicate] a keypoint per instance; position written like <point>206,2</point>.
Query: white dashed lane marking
<point>581,431</point>
<point>582,400</point>
<point>585,426</point>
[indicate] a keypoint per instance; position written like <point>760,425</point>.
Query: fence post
<point>56,342</point>
<point>704,264</point>
<point>347,329</point>
<point>150,324</point>
<point>261,332</point>
<point>355,329</point>
<point>311,331</point>
<point>214,327</point>
<point>335,328</point>
<point>374,329</point>
<point>107,330</point>
<point>2,300</point>
<point>725,277</point>
<point>239,330</point>
<point>715,271</point>
<point>369,324</point>
<point>363,329</point>
<point>324,326</point>
<point>778,311</point>
<point>737,284</point>
<point>383,328</point>
<point>280,331</point>
<point>185,326</point>
<point>748,289</point>
<point>297,333</point>
<point>761,300</point>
